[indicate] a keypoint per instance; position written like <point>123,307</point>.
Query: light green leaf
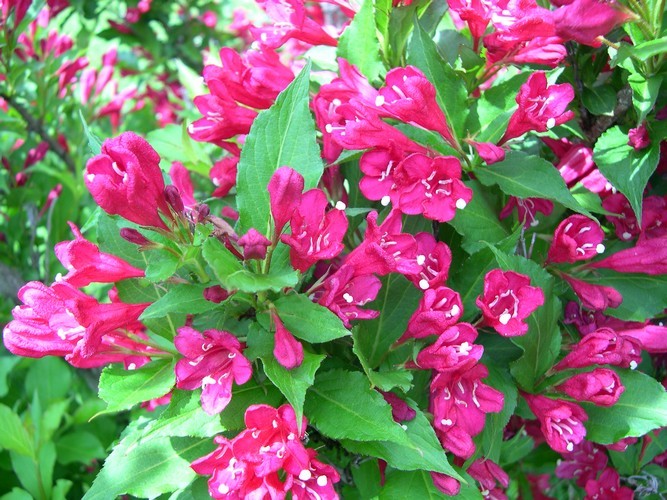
<point>122,389</point>
<point>79,446</point>
<point>14,435</point>
<point>342,405</point>
<point>182,298</point>
<point>283,135</point>
<point>309,321</point>
<point>359,44</point>
<point>627,170</point>
<point>527,176</point>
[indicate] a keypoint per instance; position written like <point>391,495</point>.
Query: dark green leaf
<point>492,436</point>
<point>79,446</point>
<point>309,321</point>
<point>50,377</point>
<point>182,298</point>
<point>271,144</point>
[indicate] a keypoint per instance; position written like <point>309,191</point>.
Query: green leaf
<point>184,417</point>
<point>419,484</point>
<point>492,435</point>
<point>637,305</point>
<point>50,377</point>
<point>162,264</point>
<point>641,408</point>
<point>233,276</point>
<point>384,380</point>
<point>397,300</point>
<point>450,88</point>
<point>283,135</point>
<point>94,143</point>
<point>599,100</point>
<point>309,321</point>
<point>651,48</point>
<point>422,452</point>
<point>148,469</point>
<point>110,241</point>
<point>626,169</point>
<point>174,144</point>
<point>79,446</point>
<point>645,92</point>
<point>182,298</point>
<point>7,363</point>
<point>122,389</point>
<point>478,221</point>
<point>14,435</point>
<point>527,176</point>
<point>295,382</point>
<point>342,405</point>
<point>358,44</point>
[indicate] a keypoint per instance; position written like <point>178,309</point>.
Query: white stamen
<point>633,365</point>
<point>305,475</point>
<point>329,128</point>
<point>455,310</point>
<point>505,318</point>
<point>385,201</point>
<point>322,481</point>
<point>340,205</point>
<point>207,380</point>
<point>445,421</point>
<point>569,446</point>
<point>223,488</point>
<point>348,298</point>
<point>461,204</point>
<point>132,366</point>
<point>379,100</point>
<point>551,122</point>
<point>423,284</point>
<point>90,177</point>
<point>600,248</point>
<point>421,259</point>
<point>626,236</point>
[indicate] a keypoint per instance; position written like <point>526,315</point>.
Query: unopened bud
<point>173,197</point>
<point>134,236</point>
<point>203,211</point>
<point>216,294</point>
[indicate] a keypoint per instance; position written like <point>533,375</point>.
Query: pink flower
<point>541,107</point>
<point>126,180</point>
<point>62,321</point>
<point>507,300</point>
<point>561,422</point>
<point>435,258</point>
<point>400,411</point>
<point>459,402</point>
<point>86,264</point>
<point>447,484</point>
<point>223,175</point>
<point>648,256</point>
<point>438,309</point>
<point>285,188</point>
<point>385,249</point>
<point>409,97</point>
<point>584,21</point>
<point>223,119</point>
<point>431,186</point>
<point>582,463</point>
<point>608,485</point>
<point>343,293</point>
<point>289,21</point>
<point>625,223</point>
<point>287,350</point>
<point>576,238</point>
<point>216,294</point>
<point>600,386</point>
<point>596,297</point>
<point>488,151</point>
<point>210,358</point>
<point>180,177</point>
<point>603,347</point>
<point>638,137</point>
<point>317,234</point>
<point>492,479</point>
<point>527,209</point>
<point>453,351</point>
<point>254,244</point>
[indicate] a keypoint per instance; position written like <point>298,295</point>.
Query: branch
<point>36,127</point>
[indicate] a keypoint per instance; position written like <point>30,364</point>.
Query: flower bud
<point>173,197</point>
<point>134,236</point>
<point>601,386</point>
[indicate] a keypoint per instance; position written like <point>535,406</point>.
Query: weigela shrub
<point>428,259</point>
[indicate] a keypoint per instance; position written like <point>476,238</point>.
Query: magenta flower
<point>453,351</point>
<point>608,485</point>
<point>285,188</point>
<point>317,234</point>
<point>595,297</point>
<point>638,137</point>
<point>584,21</point>
<point>582,463</point>
<point>561,422</point>
<point>287,350</point>
<point>541,107</point>
<point>411,98</point>
<point>86,264</point>
<point>223,118</point>
<point>400,410</point>
<point>62,321</point>
<point>344,293</point>
<point>126,180</point>
<point>385,248</point>
<point>435,258</point>
<point>601,386</point>
<point>378,166</point>
<point>488,151</point>
<point>212,360</point>
<point>604,346</point>
<point>438,309</point>
<point>459,402</point>
<point>492,479</point>
<point>254,244</point>
<point>507,300</point>
<point>447,484</point>
<point>180,177</point>
<point>223,175</point>
<point>431,186</point>
<point>576,238</point>
<point>648,256</point>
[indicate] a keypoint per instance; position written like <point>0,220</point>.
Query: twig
<point>36,127</point>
